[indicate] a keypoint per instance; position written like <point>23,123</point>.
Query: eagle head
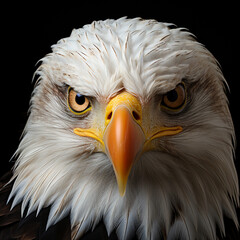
<point>129,123</point>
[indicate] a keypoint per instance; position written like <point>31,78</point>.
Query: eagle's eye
<point>78,103</point>
<point>175,99</point>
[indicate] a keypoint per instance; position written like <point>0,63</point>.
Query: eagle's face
<point>130,124</point>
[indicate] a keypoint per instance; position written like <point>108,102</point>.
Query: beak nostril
<point>109,116</point>
<point>135,115</point>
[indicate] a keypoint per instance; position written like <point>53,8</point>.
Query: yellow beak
<point>123,137</point>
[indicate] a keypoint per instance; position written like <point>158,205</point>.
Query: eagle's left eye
<point>78,103</point>
<point>175,99</point>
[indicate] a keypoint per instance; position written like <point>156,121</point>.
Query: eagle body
<point>130,131</point>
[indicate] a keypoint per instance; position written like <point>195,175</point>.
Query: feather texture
<point>12,226</point>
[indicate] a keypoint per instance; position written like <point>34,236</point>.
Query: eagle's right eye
<point>78,103</point>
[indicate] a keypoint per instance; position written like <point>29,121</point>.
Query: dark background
<point>27,32</point>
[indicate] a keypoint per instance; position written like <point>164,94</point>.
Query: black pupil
<point>172,96</point>
<point>80,99</point>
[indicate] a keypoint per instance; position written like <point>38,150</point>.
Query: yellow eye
<point>175,99</point>
<point>77,103</point>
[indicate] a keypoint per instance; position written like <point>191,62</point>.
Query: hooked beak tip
<point>122,186</point>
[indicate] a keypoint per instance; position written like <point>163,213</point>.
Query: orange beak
<point>123,137</point>
<point>124,140</point>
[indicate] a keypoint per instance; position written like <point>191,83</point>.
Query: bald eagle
<point>129,135</point>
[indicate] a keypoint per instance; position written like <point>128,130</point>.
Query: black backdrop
<point>27,32</point>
